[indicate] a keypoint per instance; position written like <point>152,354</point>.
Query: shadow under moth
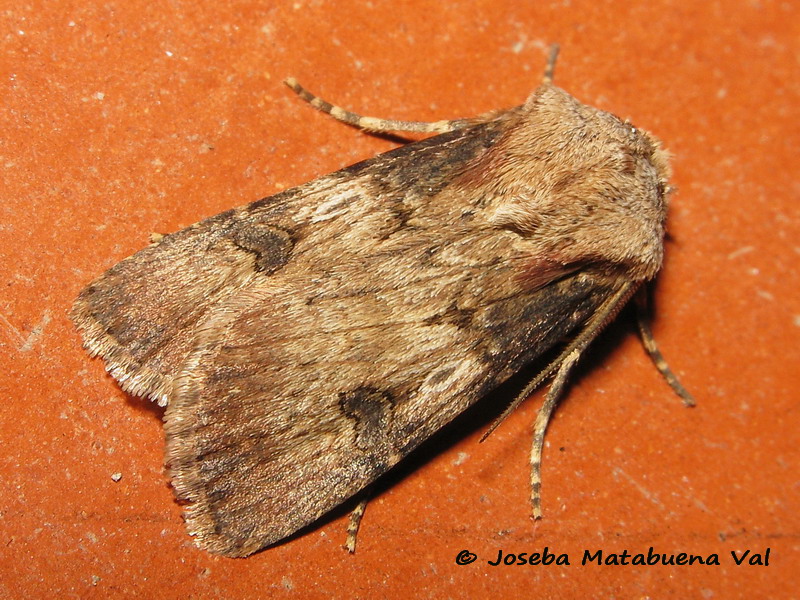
<point>305,343</point>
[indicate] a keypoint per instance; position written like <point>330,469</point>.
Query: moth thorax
<point>581,185</point>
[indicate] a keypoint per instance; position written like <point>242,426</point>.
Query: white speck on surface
<point>116,476</point>
<point>461,458</point>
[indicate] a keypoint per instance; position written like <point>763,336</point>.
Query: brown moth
<point>305,343</point>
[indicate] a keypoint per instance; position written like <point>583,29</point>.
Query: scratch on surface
<point>26,344</point>
<point>642,490</point>
<point>740,251</point>
<point>36,333</point>
<point>14,333</point>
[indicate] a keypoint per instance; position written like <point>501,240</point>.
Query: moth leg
<point>649,343</point>
<point>568,360</point>
<point>550,68</point>
<point>376,124</point>
<point>539,428</point>
<point>355,520</point>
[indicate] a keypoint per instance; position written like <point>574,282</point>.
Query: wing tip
<point>134,378</point>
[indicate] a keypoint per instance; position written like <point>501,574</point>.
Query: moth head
<point>579,185</point>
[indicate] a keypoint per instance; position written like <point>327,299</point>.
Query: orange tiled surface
<point>124,118</point>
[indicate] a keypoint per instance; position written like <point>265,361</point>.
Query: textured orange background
<point>123,118</point>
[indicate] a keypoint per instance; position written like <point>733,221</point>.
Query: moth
<point>305,343</point>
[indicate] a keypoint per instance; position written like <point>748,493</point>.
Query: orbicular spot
<point>440,376</point>
<point>370,410</point>
<point>271,246</point>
